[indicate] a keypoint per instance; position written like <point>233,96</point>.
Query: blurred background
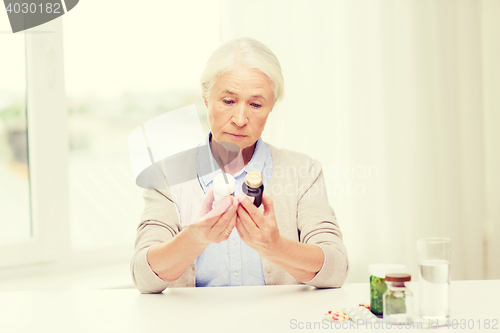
<point>397,99</point>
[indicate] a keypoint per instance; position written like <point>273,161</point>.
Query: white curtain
<point>399,101</point>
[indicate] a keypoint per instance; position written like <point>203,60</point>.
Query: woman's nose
<point>239,116</point>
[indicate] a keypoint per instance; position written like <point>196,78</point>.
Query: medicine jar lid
<point>398,277</point>
<point>253,179</point>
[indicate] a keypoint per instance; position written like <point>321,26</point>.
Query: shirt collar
<point>256,162</point>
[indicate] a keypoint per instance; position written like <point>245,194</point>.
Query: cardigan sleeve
<point>317,224</point>
<point>159,223</point>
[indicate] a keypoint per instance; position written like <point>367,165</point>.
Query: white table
<point>226,309</point>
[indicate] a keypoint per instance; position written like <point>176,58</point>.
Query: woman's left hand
<point>257,230</point>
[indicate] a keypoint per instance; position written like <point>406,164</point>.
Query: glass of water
<point>434,257</point>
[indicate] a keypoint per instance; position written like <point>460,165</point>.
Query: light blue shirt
<point>232,262</point>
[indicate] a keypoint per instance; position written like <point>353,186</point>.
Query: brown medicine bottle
<point>253,187</point>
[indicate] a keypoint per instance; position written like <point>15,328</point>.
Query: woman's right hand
<point>215,225</point>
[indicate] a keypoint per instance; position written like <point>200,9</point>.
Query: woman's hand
<point>257,230</point>
<point>215,225</point>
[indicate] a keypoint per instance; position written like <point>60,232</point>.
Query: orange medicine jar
<point>398,299</point>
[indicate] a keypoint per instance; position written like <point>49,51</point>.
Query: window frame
<point>47,151</point>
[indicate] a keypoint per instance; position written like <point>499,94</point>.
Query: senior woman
<point>293,238</point>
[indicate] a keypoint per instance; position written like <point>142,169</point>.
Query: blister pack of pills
<point>361,314</point>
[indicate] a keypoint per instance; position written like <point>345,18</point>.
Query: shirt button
<point>235,241</point>
<point>235,273</point>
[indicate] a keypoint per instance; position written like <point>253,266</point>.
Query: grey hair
<point>249,53</point>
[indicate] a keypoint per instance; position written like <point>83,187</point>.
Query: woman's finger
<point>247,221</point>
<point>242,231</point>
<point>267,202</point>
<point>206,206</point>
<point>221,207</point>
<point>223,221</point>
<point>225,218</point>
<point>230,226</point>
<point>228,222</point>
<point>252,211</point>
<point>224,230</point>
<point>232,223</point>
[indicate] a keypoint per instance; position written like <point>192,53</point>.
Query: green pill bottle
<point>378,286</point>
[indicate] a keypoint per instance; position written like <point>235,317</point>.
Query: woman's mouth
<point>236,136</point>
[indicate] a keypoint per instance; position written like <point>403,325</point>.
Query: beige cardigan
<point>302,212</point>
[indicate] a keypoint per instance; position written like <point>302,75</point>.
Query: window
<point>85,91</point>
<point>38,147</point>
<point>119,74</point>
<point>15,220</point>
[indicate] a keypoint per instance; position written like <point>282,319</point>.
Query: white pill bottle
<point>223,185</point>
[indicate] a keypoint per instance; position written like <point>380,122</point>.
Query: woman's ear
<point>206,102</point>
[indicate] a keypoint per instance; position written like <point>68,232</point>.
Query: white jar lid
<point>381,270</point>
<point>221,188</point>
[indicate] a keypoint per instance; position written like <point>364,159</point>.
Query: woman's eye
<point>228,102</point>
<point>255,105</point>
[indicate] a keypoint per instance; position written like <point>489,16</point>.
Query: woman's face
<point>238,106</point>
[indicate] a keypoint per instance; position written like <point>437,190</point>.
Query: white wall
<point>404,87</point>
